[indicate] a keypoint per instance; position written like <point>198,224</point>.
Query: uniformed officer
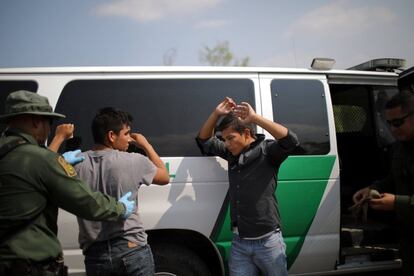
<point>397,189</point>
<point>34,183</point>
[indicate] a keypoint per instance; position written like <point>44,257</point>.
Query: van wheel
<point>172,259</point>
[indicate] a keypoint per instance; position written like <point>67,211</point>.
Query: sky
<point>174,32</point>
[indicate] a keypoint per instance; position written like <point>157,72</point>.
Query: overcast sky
<point>150,32</point>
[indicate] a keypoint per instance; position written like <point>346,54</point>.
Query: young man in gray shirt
<point>119,247</point>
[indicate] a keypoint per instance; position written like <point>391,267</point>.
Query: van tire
<point>178,260</point>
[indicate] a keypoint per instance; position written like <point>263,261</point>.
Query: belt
<point>235,230</point>
<point>105,244</point>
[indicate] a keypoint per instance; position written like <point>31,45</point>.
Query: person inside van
<point>253,164</point>
<point>118,248</point>
<point>397,189</point>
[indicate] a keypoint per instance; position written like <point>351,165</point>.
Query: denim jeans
<point>119,257</point>
<point>251,257</point>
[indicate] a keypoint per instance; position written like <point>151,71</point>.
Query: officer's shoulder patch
<point>70,171</point>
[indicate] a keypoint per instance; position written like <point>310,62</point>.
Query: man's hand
<point>65,131</point>
<point>225,107</point>
<point>139,140</point>
<point>62,133</point>
<point>72,157</point>
<point>385,203</point>
<point>129,204</point>
<point>361,196</point>
<point>245,112</point>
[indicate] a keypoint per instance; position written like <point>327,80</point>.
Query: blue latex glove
<point>72,158</point>
<point>129,204</point>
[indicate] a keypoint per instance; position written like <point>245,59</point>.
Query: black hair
<point>231,120</point>
<point>404,98</point>
<point>109,119</point>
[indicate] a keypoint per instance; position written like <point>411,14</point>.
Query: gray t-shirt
<point>114,173</point>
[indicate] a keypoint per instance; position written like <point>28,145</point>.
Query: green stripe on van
<point>302,182</point>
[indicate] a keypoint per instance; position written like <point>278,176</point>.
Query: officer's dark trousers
<point>407,256</point>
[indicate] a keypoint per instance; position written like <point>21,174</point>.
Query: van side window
<point>6,87</point>
<point>169,112</point>
<point>300,105</point>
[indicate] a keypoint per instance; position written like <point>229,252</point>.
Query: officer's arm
<point>404,207</point>
<point>68,192</point>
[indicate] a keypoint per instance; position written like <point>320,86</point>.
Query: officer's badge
<point>70,171</point>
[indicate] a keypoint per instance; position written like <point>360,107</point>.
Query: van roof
<point>182,69</point>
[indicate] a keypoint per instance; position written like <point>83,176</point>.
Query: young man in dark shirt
<point>253,164</point>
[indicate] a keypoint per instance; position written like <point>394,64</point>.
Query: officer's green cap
<point>26,102</point>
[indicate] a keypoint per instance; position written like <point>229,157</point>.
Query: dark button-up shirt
<point>253,180</point>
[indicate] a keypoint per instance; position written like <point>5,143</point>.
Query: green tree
<point>169,57</point>
<point>221,55</point>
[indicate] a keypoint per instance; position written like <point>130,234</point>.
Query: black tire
<point>178,260</point>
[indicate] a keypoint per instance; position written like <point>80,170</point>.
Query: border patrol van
<point>337,115</point>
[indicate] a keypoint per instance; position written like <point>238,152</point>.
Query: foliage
<point>221,55</point>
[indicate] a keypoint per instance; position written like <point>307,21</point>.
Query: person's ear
<point>111,136</point>
<point>247,133</point>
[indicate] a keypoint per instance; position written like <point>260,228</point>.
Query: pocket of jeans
<point>132,257</point>
<point>272,241</point>
<point>138,259</point>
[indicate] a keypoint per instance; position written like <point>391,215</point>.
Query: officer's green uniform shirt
<point>34,179</point>
<point>400,181</point>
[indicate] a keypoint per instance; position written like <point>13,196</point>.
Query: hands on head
<point>243,110</point>
<point>139,140</point>
<point>226,106</point>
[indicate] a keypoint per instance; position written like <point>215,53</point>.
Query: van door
<point>308,188</point>
<point>363,140</point>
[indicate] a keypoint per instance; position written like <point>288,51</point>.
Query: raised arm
<point>225,107</point>
<point>248,115</point>
<point>162,176</point>
<point>62,133</point>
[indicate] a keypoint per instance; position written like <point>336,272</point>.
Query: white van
<point>337,115</point>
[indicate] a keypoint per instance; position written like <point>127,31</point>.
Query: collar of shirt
<point>251,153</point>
<point>17,132</point>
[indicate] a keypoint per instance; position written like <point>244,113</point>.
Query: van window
<point>359,111</point>
<point>168,112</point>
<point>6,87</point>
<point>381,96</point>
<point>300,106</point>
<point>349,118</point>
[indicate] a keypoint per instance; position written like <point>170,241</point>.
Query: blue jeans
<point>118,257</point>
<point>251,257</point>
